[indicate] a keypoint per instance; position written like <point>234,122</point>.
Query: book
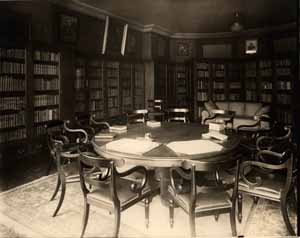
<point>153,124</point>
<point>104,136</point>
<point>118,129</point>
<point>216,126</point>
<point>215,135</point>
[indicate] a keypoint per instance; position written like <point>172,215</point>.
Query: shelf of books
<point>234,82</point>
<point>182,85</point>
<point>250,81</point>
<point>13,95</point>
<point>283,83</point>
<point>126,83</point>
<point>265,71</point>
<point>46,97</point>
<point>160,81</point>
<point>219,81</point>
<point>111,77</point>
<point>96,88</point>
<point>81,87</point>
<point>139,86</point>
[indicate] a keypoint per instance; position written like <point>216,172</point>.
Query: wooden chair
<point>110,189</point>
<point>178,114</point>
<point>83,121</point>
<point>156,110</point>
<point>272,176</point>
<point>136,116</point>
<point>64,150</point>
<point>199,201</point>
<point>98,125</point>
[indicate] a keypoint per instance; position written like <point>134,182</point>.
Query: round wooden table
<point>161,157</point>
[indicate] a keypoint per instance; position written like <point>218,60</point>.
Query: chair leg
<point>192,224</point>
<point>62,195</point>
<point>56,188</point>
<point>85,217</point>
<point>147,211</point>
<point>283,205</point>
<point>232,219</point>
<point>217,217</point>
<point>117,221</point>
<point>171,212</point>
<point>49,166</point>
<point>240,207</point>
<point>255,199</point>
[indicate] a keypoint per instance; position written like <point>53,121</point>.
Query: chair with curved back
<point>83,121</point>
<point>137,116</point>
<point>156,110</point>
<point>63,146</point>
<point>197,199</point>
<point>271,176</point>
<point>110,189</point>
<point>178,114</point>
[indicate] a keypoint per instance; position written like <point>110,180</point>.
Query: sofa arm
<point>204,115</point>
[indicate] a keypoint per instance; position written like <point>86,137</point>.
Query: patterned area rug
<point>29,206</point>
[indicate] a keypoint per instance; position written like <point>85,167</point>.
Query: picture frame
<point>183,48</point>
<point>251,46</point>
<point>68,28</point>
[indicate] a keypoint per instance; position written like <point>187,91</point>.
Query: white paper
<point>192,147</point>
<point>131,146</point>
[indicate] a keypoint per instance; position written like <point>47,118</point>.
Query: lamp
<point>236,26</point>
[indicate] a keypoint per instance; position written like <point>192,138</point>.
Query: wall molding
<point>89,10</point>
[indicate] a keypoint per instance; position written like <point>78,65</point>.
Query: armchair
<point>110,189</point>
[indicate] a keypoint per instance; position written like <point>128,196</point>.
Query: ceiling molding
<point>89,10</point>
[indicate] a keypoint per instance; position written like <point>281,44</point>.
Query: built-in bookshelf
<point>139,86</point>
<point>126,83</point>
<point>265,80</point>
<point>234,82</point>
<point>96,88</point>
<point>13,94</point>
<point>202,77</point>
<point>181,85</point>
<point>111,77</point>
<point>219,81</point>
<point>283,83</point>
<point>160,81</point>
<point>46,97</point>
<point>81,87</point>
<point>250,81</point>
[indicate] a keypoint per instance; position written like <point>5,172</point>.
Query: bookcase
<point>46,90</point>
<point>126,87</point>
<point>111,78</point>
<point>265,71</point>
<point>81,86</point>
<point>96,88</point>
<point>160,81</point>
<point>139,86</point>
<point>13,95</point>
<point>234,82</point>
<point>250,80</point>
<point>219,74</point>
<point>182,85</point>
<point>283,88</point>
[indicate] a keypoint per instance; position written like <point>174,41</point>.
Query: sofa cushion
<point>222,105</point>
<point>237,107</point>
<point>251,108</point>
<point>262,110</point>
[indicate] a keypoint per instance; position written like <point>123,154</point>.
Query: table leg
<point>163,174</point>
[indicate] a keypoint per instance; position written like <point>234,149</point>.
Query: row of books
<point>80,72</point>
<point>219,85</point>
<point>266,85</point>
<point>235,85</point>
<point>181,75</point>
<point>283,62</point>
<point>96,106</point>
<point>218,96</point>
<point>12,135</point>
<point>284,116</point>
<point>45,69</point>
<point>283,71</point>
<point>266,97</point>
<point>46,56</point>
<point>10,83</point>
<point>45,100</point>
<point>7,67</point>
<point>202,84</point>
<point>39,130</point>
<point>12,103</point>
<point>113,102</point>
<point>234,96</point>
<point>139,91</point>
<point>95,84</point>
<point>286,85</point>
<point>12,53</point>
<point>12,120</point>
<point>112,73</point>
<point>95,72</point>
<point>265,72</point>
<point>112,92</point>
<point>79,83</point>
<point>250,85</point>
<point>284,98</point>
<point>127,101</point>
<point>202,96</point>
<point>265,64</point>
<point>46,84</point>
<point>220,67</point>
<point>202,66</point>
<point>46,115</point>
<point>251,73</point>
<point>96,94</point>
<point>126,92</point>
<point>251,96</point>
<point>112,64</point>
<point>219,73</point>
<point>202,74</point>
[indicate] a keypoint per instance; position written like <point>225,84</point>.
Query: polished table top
<point>162,156</point>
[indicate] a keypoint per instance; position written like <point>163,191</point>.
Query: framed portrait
<point>68,28</point>
<point>183,48</point>
<point>251,46</point>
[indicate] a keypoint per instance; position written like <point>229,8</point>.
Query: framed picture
<point>183,48</point>
<point>251,46</point>
<point>68,28</point>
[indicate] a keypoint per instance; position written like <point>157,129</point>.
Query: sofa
<point>247,114</point>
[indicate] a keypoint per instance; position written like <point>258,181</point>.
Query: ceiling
<point>200,16</point>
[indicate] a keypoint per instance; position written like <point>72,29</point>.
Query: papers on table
<point>131,146</point>
<point>215,135</point>
<point>192,147</point>
<point>118,129</point>
<point>104,136</point>
<point>216,126</point>
<point>153,124</point>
